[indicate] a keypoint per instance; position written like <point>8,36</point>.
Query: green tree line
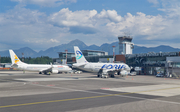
<point>29,60</point>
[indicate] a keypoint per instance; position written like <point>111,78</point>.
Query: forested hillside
<point>29,60</point>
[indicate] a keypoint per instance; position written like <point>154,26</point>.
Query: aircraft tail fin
<point>14,58</point>
<point>79,55</point>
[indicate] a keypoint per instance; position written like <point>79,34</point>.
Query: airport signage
<point>154,62</point>
<point>150,54</point>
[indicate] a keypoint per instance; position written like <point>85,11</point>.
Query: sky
<point>41,24</point>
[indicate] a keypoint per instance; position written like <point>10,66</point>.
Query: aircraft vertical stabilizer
<point>14,58</point>
<point>79,56</point>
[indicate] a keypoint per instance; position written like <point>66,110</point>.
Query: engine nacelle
<point>124,72</point>
<point>54,71</point>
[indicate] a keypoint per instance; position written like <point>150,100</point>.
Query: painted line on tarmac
<point>102,89</point>
<point>91,97</point>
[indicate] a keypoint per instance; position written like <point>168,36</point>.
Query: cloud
<point>21,27</point>
<point>107,25</point>
<point>155,2</point>
<point>110,14</point>
<point>77,22</point>
<point>84,21</point>
<point>65,17</point>
<point>46,3</point>
<point>54,40</point>
<point>171,8</point>
<point>37,30</point>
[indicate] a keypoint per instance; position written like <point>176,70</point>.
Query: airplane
<point>41,68</point>
<point>100,68</point>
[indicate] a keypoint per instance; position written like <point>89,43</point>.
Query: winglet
<point>51,65</point>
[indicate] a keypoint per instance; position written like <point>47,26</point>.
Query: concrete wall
<point>120,58</point>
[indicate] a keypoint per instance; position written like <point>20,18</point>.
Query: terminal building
<point>93,53</point>
<point>91,56</point>
<point>62,57</point>
<point>147,63</point>
<point>153,63</point>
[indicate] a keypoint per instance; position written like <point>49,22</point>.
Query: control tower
<point>125,45</point>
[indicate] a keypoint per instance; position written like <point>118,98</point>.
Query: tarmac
<point>33,92</point>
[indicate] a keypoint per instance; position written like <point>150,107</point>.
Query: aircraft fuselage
<point>38,67</point>
<point>95,67</point>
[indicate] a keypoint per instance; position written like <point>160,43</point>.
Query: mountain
<point>161,48</point>
<point>28,52</point>
<point>108,47</point>
<point>53,51</point>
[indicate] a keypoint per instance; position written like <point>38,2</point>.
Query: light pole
<point>113,53</point>
<point>23,60</point>
<point>66,55</point>
<point>22,57</point>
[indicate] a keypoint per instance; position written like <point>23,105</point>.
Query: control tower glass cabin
<point>125,45</point>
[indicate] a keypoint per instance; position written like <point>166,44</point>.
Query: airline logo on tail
<point>16,59</point>
<point>79,54</point>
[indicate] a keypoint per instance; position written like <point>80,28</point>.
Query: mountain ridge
<point>53,51</point>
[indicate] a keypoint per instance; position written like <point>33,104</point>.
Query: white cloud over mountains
<point>139,24</point>
<point>25,27</point>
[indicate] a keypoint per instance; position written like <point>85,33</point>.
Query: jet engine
<point>124,72</point>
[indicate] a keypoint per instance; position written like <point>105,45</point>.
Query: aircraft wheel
<point>99,75</point>
<point>112,76</point>
<point>102,76</point>
<point>40,72</point>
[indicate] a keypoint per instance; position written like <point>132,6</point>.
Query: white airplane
<point>100,68</point>
<point>41,68</point>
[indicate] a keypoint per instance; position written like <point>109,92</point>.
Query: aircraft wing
<point>112,71</point>
<point>79,64</point>
<point>49,69</point>
<point>46,69</point>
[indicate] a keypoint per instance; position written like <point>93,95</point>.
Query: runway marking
<point>140,91</point>
<point>51,85</point>
<point>35,82</point>
<point>105,88</point>
<point>46,79</point>
<point>157,90</point>
<point>107,95</point>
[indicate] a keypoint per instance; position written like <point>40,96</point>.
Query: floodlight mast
<point>113,53</point>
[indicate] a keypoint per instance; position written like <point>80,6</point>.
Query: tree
<point>29,60</point>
